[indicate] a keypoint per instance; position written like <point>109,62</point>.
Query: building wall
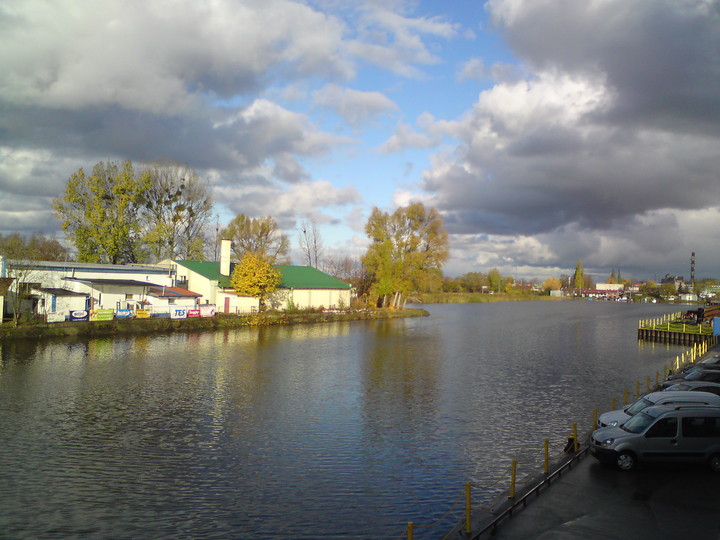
<point>311,298</point>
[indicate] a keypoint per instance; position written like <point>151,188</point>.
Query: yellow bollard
<point>513,472</point>
<point>575,438</point>
<point>657,379</point>
<point>612,404</point>
<point>625,396</point>
<point>468,508</point>
<point>410,530</point>
<point>595,417</point>
<point>647,383</point>
<point>637,389</point>
<point>547,456</point>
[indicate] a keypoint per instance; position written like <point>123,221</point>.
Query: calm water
<point>336,430</point>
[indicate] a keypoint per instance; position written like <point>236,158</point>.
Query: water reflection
<point>348,429</point>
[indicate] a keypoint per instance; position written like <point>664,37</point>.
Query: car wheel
<point>625,461</point>
<point>714,462</point>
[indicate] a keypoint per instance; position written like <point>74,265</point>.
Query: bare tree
<point>311,242</point>
<point>178,209</point>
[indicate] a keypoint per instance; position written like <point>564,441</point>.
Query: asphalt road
<point>595,501</point>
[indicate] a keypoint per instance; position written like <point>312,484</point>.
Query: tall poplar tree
<point>101,212</point>
<point>579,277</point>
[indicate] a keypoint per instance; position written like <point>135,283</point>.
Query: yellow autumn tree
<point>256,277</point>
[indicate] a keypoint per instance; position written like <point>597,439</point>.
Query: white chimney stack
<point>225,257</point>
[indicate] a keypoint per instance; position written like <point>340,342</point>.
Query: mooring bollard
<point>513,472</point>
<point>468,507</point>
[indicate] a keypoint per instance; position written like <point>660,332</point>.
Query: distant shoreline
<point>466,298</point>
<point>125,327</point>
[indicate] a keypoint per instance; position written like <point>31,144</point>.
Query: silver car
<point>662,433</point>
<point>620,416</point>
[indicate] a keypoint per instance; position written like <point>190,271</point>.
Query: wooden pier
<point>674,337</point>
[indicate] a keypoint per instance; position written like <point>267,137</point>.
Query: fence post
<point>468,508</point>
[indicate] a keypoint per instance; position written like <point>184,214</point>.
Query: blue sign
<point>79,315</point>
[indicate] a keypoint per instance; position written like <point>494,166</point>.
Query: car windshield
<point>695,375</point>
<point>678,387</point>
<point>639,405</point>
<point>711,361</point>
<point>638,423</point>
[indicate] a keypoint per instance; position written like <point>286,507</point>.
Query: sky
<point>544,131</point>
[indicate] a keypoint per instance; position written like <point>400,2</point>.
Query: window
<point>667,427</point>
<point>128,296</point>
<point>701,427</point>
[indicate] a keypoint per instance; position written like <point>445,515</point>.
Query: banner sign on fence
<point>142,314</point>
<point>101,314</point>
<point>193,313</point>
<point>123,313</point>
<point>178,313</point>
<point>207,310</point>
<point>55,317</point>
<point>79,315</point>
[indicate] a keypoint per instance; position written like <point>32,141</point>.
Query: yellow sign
<point>142,314</point>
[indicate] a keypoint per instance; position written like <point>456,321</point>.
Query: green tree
<point>260,236</point>
<point>406,252</point>
<point>177,209</point>
<point>579,276</point>
<point>35,247</point>
<point>495,280</point>
<point>256,277</point>
<point>101,213</point>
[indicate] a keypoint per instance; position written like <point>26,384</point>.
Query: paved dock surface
<point>594,501</point>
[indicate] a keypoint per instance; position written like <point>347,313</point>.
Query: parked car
<point>708,375</point>
<point>620,416</point>
<point>694,386</point>
<point>662,433</point>
<point>712,362</point>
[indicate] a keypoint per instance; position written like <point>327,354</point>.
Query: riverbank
<point>219,322</point>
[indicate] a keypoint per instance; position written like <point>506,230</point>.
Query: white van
<point>682,397</point>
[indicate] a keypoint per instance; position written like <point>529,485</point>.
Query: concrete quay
<point>595,501</point>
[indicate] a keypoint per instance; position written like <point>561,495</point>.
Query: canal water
<point>342,430</point>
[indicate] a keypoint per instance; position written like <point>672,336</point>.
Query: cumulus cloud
<point>611,138</point>
<point>405,137</point>
<point>354,106</point>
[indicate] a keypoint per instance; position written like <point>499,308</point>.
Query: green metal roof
<point>293,277</point>
<point>307,277</point>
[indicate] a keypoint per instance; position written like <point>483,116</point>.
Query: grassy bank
<point>219,322</point>
<point>465,298</point>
